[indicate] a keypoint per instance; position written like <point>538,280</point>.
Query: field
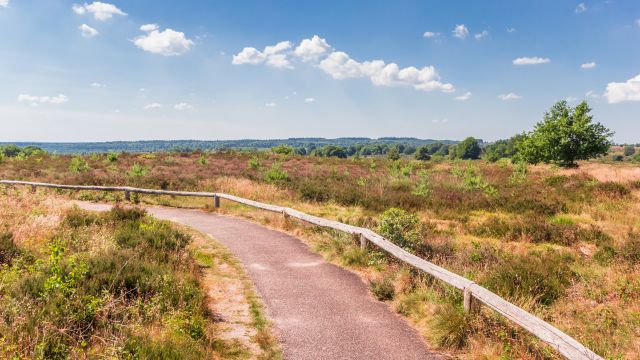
<point>563,244</point>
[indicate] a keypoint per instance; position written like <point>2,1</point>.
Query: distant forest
<point>309,144</point>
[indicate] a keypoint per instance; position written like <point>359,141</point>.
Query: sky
<point>236,69</point>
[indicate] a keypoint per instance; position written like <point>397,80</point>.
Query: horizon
<point>120,71</point>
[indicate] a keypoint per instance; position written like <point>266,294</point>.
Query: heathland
<point>563,243</point>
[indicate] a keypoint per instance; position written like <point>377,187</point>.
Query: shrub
<point>468,149</point>
<point>284,149</point>
<point>422,153</point>
<point>275,173</point>
<point>253,163</point>
<point>112,157</point>
<point>629,150</point>
<point>138,170</point>
<point>422,185</point>
<point>631,249</point>
<point>617,157</point>
<point>382,289</point>
<point>78,165</point>
<point>542,277</point>
<point>519,174</point>
<point>8,249</point>
<point>400,227</point>
<point>202,160</point>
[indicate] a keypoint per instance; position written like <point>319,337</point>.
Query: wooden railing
<point>563,343</point>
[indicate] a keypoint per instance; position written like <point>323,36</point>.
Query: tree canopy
<point>564,136</point>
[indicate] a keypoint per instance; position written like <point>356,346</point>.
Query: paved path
<point>319,310</point>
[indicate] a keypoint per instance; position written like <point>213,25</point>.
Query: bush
<point>468,149</point>
<point>112,157</point>
<point>284,150</point>
<point>450,326</point>
<point>78,165</point>
<point>422,153</point>
<point>400,227</point>
<point>617,157</point>
<point>275,173</point>
<point>629,150</point>
<point>382,289</point>
<point>138,170</point>
<point>542,277</point>
<point>631,249</point>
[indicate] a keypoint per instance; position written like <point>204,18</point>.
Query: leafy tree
<point>284,149</point>
<point>564,136</point>
<point>629,150</point>
<point>422,153</point>
<point>468,149</point>
<point>502,149</point>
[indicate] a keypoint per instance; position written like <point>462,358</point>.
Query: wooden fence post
<point>216,201</point>
<point>468,301</point>
<point>127,195</point>
<point>33,189</point>
<point>363,242</point>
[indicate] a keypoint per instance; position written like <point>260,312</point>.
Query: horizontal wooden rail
<point>563,343</point>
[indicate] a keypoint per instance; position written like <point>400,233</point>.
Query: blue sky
<point>128,70</point>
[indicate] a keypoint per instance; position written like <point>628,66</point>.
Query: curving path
<point>319,310</point>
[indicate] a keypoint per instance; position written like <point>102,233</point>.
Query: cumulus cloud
<point>166,43</point>
<point>589,65</point>
<point>97,85</point>
<point>273,55</point>
<point>511,30</point>
<point>431,34</point>
<point>621,92</point>
<point>55,100</point>
<point>87,31</point>
<point>182,106</point>
<point>591,94</point>
<point>270,104</point>
<point>340,65</point>
<point>309,100</point>
<point>460,31</point>
<point>4,3</point>
<point>509,96</point>
<point>312,49</point>
<point>153,106</point>
<point>465,96</point>
<point>481,35</point>
<point>531,61</point>
<point>101,11</point>
<point>581,8</point>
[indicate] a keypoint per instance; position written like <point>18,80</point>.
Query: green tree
<point>284,149</point>
<point>565,136</point>
<point>422,153</point>
<point>502,149</point>
<point>468,149</point>
<point>393,154</point>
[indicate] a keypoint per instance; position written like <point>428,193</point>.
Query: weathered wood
<point>468,301</point>
<point>216,201</point>
<point>127,195</point>
<point>363,242</point>
<point>564,344</point>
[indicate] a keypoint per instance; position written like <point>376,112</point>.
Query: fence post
<point>127,195</point>
<point>216,201</point>
<point>468,301</point>
<point>363,242</point>
<point>33,189</point>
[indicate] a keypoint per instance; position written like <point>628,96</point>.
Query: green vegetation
<point>78,165</point>
<point>135,294</point>
<point>565,135</point>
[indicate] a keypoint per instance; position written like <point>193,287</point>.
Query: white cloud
<point>167,43</point>
<point>591,94</point>
<point>460,31</point>
<point>511,30</point>
<point>589,65</point>
<point>34,100</point>
<point>531,61</point>
<point>270,104</point>
<point>312,49</point>
<point>4,3</point>
<point>182,106</point>
<point>638,23</point>
<point>97,85</point>
<point>509,96</point>
<point>465,96</point>
<point>626,91</point>
<point>149,27</point>
<point>309,100</point>
<point>273,55</point>
<point>581,8</point>
<point>153,106</point>
<point>481,35</point>
<point>431,34</point>
<point>87,31</point>
<point>101,11</point>
<point>571,98</point>
<point>340,66</point>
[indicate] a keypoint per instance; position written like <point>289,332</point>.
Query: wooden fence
<point>563,343</point>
